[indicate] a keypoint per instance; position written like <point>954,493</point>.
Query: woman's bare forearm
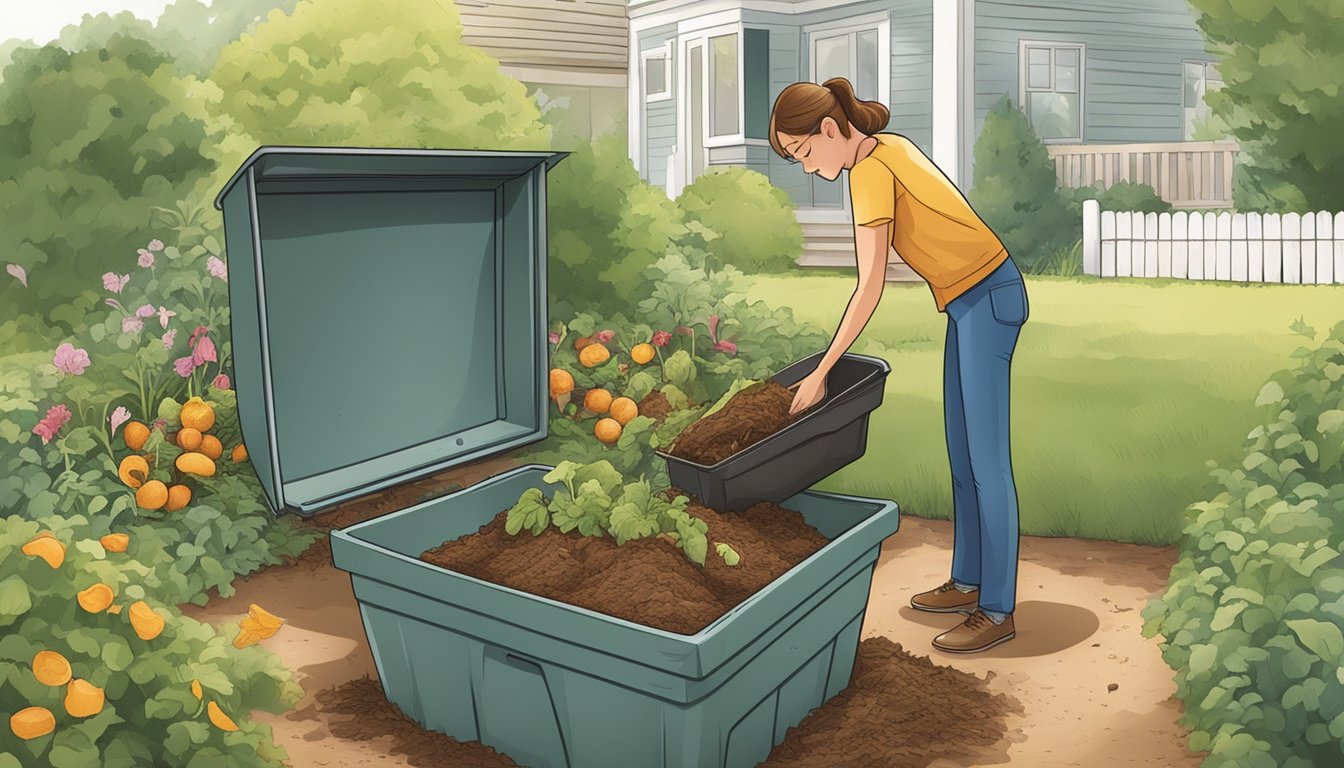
<point>871,245</point>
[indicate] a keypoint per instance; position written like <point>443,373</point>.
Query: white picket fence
<point>1303,249</point>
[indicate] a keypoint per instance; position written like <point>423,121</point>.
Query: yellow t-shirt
<point>933,227</point>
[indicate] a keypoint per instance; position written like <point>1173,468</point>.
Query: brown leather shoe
<point>977,633</point>
<point>946,599</point>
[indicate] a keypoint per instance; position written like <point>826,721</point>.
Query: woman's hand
<point>810,391</point>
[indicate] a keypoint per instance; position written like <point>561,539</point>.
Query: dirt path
<point>1078,623</point>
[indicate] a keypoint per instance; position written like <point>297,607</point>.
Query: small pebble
<point>1113,687</point>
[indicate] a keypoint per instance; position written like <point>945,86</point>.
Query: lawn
<point>1123,390</point>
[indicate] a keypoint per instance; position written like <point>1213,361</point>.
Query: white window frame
<point>663,52</point>
<point>703,37</point>
<point>875,22</point>
<point>1023,90</point>
<point>1205,66</point>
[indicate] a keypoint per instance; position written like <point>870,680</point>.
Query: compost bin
<point>389,321</point>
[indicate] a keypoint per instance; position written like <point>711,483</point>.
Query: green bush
<point>1014,189</point>
<point>757,228</point>
<point>1253,617</point>
<point>150,715</point>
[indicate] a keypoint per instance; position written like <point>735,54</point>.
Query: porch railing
<point>1187,174</point>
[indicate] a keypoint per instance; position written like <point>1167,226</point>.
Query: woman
<point>902,200</point>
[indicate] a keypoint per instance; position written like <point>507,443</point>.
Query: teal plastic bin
<point>556,686</point>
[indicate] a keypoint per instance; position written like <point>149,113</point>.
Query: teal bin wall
<point>557,686</point>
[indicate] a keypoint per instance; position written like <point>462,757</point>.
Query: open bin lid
<point>388,312</point>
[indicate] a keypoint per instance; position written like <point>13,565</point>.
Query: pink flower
<point>146,258</point>
<point>714,327</point>
<point>155,245</point>
<point>183,366</point>
<point>726,346</point>
<point>119,416</point>
<point>70,360</point>
<point>553,337</point>
<point>660,338</point>
<point>51,424</point>
<point>132,325</point>
<point>684,330</point>
<point>202,348</point>
<point>164,314</point>
<point>114,283</point>
<point>168,339</point>
<point>221,382</point>
<point>18,273</point>
<point>605,336</point>
<point>216,268</point>
<point>195,334</point>
<point>145,310</point>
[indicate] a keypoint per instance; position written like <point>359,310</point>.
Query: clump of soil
<point>900,711</point>
<point>655,406</point>
<point>647,581</point>
<point>747,418</point>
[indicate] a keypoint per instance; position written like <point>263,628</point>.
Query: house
<point>1099,80</point>
<point>571,54</point>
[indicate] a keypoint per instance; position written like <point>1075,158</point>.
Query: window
<point>723,86</point>
<point>1200,78</point>
<point>1052,89</point>
<point>657,74</point>
<point>852,55</point>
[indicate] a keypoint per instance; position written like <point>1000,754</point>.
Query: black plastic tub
<point>829,436</point>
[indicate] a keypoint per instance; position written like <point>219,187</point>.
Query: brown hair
<point>801,107</point>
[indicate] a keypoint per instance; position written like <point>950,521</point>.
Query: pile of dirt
<point>647,581</point>
<point>747,418</point>
<point>655,406</point>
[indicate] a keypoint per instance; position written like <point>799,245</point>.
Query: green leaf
<point>601,471</point>
<point>1224,617</point>
<point>588,512</point>
<point>640,385</point>
<point>530,512</point>
<point>633,516</point>
<point>117,654</point>
<point>1320,637</point>
<point>169,409</point>
<point>562,473</point>
<point>695,544</point>
<point>14,597</point>
<point>737,386</point>
<point>729,555</point>
<point>676,399</point>
<point>1270,393</point>
<point>1202,659</point>
<point>679,369</point>
<point>1330,422</point>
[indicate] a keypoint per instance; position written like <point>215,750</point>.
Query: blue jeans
<point>982,330</point>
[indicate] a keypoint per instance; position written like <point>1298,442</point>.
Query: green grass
<point>1123,390</point>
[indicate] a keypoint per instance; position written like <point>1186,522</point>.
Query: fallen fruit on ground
<point>258,625</point>
<point>197,414</point>
<point>642,353</point>
<point>561,382</point>
<point>211,447</point>
<point>96,599</point>
<point>152,495</point>
<point>597,400</point>
<point>608,430</point>
<point>83,699</point>
<point>47,547</point>
<point>146,621</point>
<point>133,470</point>
<point>221,721</point>
<point>135,434</point>
<point>196,464</point>
<point>239,454</point>
<point>118,542</point>
<point>179,496</point>
<point>32,722</point>
<point>594,355</point>
<point>623,409</point>
<point>189,439</point>
<point>51,668</point>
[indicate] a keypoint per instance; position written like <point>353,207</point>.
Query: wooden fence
<point>1243,247</point>
<point>1187,174</point>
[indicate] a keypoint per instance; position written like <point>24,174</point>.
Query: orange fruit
<point>239,454</point>
<point>196,689</point>
<point>51,668</point>
<point>594,355</point>
<point>197,414</point>
<point>623,409</point>
<point>561,382</point>
<point>133,471</point>
<point>114,610</point>
<point>211,447</point>
<point>597,400</point>
<point>47,547</point>
<point>189,439</point>
<point>222,721</point>
<point>152,495</point>
<point>117,542</point>
<point>179,496</point>
<point>607,430</point>
<point>96,599</point>
<point>135,434</point>
<point>581,342</point>
<point>83,699</point>
<point>32,722</point>
<point>642,353</point>
<point>196,464</point>
<point>146,621</point>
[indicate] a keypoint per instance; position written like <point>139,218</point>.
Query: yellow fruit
<point>189,439</point>
<point>114,610</point>
<point>594,355</point>
<point>47,547</point>
<point>211,447</point>
<point>196,464</point>
<point>32,722</point>
<point>597,400</point>
<point>561,382</point>
<point>197,414</point>
<point>582,342</point>
<point>83,699</point>
<point>179,496</point>
<point>642,353</point>
<point>146,621</point>
<point>135,434</point>
<point>623,409</point>
<point>117,542</point>
<point>222,721</point>
<point>258,625</point>
<point>196,689</point>
<point>96,599</point>
<point>607,430</point>
<point>133,471</point>
<point>51,668</point>
<point>239,454</point>
<point>152,495</point>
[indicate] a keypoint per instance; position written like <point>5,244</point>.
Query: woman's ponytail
<point>801,107</point>
<point>868,116</point>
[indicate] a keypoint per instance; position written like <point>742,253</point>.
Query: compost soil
<point>747,418</point>
<point>647,581</point>
<point>655,406</point>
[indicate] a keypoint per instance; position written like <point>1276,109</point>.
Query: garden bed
<point>749,417</point>
<point>674,593</point>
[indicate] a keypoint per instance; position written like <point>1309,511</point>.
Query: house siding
<point>1132,74</point>
<point>912,72</point>
<point>560,35</point>
<point>659,130</point>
